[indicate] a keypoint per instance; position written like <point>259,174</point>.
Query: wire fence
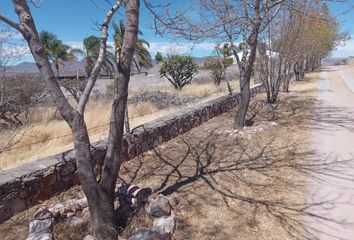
<point>6,148</point>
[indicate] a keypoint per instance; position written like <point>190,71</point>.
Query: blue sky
<point>73,20</point>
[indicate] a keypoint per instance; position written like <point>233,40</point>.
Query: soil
<point>246,184</point>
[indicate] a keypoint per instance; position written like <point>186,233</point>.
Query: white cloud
<point>165,48</point>
<point>181,48</point>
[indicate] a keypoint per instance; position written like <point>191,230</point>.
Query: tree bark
<point>100,195</point>
<point>112,162</point>
<point>245,76</point>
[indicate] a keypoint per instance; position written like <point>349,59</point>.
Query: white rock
<point>165,225</point>
<point>40,229</point>
<point>89,237</point>
<point>40,226</point>
<point>46,236</point>
<point>273,123</point>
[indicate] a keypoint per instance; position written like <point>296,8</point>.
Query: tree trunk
<point>113,159</point>
<point>245,75</point>
<point>127,125</point>
<point>245,95</point>
<point>100,195</point>
<point>99,199</point>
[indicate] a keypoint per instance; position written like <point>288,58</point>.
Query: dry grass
<point>231,186</point>
<point>46,134</point>
<point>62,231</point>
<point>141,109</point>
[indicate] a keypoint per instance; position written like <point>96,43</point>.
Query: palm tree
<point>142,57</point>
<point>57,51</point>
<point>91,51</point>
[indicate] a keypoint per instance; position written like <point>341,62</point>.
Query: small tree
<point>179,70</point>
<point>158,57</point>
<point>74,86</point>
<point>215,65</point>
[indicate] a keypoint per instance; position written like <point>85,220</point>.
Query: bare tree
<point>99,190</point>
<point>225,21</point>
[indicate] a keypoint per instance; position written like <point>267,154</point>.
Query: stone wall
<point>36,181</point>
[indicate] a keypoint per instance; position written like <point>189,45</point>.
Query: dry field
<point>246,185</point>
<point>46,134</point>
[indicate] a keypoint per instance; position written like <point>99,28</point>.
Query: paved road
<point>331,189</point>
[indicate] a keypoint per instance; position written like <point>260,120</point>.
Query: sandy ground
<point>332,144</point>
<point>347,73</point>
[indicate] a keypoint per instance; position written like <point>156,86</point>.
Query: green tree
<point>142,57</point>
<point>217,67</point>
<point>179,70</point>
<point>57,51</point>
<point>158,57</point>
<point>91,52</point>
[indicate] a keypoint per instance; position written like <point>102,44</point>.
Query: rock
<point>158,207</point>
<point>145,234</point>
<point>58,209</point>
<point>77,205</point>
<point>89,237</point>
<point>173,200</point>
<point>273,123</point>
<point>85,214</point>
<point>161,99</point>
<point>40,226</point>
<point>70,214</point>
<point>73,220</point>
<point>46,236</point>
<point>42,214</point>
<point>165,226</point>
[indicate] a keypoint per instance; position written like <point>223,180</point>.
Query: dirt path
<point>332,137</point>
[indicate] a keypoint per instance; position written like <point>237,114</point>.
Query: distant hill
<point>333,61</point>
<point>71,67</point>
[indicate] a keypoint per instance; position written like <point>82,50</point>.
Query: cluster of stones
<point>25,186</point>
<point>72,212</point>
<point>128,198</point>
<point>161,99</point>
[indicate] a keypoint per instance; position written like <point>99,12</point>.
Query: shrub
<point>18,95</point>
<point>179,70</point>
<point>217,71</point>
<point>158,57</point>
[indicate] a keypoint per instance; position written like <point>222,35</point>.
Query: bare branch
<point>10,23</point>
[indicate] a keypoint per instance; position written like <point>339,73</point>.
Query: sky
<point>73,20</point>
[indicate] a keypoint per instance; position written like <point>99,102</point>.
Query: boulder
<point>146,234</point>
<point>40,229</point>
<point>73,220</point>
<point>173,200</point>
<point>46,236</point>
<point>165,225</point>
<point>158,207</point>
<point>89,237</point>
<point>42,214</point>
